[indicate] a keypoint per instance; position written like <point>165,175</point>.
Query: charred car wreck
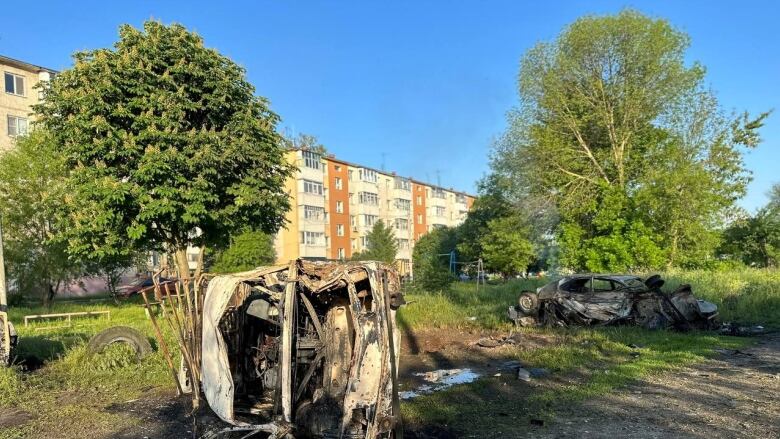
<point>598,299</point>
<point>308,349</point>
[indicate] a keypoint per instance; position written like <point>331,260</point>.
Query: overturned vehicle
<point>308,349</point>
<point>599,299</point>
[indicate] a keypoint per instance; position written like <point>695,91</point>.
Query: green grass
<point>69,395</point>
<point>746,296</point>
<point>593,361</point>
<point>73,388</point>
<point>462,306</point>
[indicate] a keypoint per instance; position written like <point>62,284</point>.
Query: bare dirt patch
<point>734,395</point>
<point>11,417</point>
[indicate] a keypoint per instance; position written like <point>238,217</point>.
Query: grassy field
<point>70,393</point>
<point>593,361</point>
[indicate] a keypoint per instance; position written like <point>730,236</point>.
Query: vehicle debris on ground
<point>601,299</point>
<point>308,349</point>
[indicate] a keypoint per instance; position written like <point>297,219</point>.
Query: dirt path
<point>736,395</point>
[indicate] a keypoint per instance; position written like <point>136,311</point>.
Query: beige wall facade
<point>18,93</point>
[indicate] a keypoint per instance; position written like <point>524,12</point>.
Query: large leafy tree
<point>247,250</point>
<point>622,138</point>
<point>431,257</point>
<point>382,245</point>
<point>755,240</point>
<point>32,187</point>
<point>169,146</point>
<point>506,247</point>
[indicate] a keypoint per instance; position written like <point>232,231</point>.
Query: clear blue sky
<point>422,86</point>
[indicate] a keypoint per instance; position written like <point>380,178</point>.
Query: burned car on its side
<point>607,299</point>
<point>305,350</point>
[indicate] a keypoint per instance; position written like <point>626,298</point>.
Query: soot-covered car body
<point>309,349</point>
<point>604,299</point>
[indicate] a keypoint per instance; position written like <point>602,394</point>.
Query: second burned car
<point>606,299</point>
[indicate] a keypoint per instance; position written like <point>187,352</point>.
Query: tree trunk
<point>199,267</point>
<point>182,265</point>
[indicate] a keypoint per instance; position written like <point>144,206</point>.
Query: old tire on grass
<point>528,303</point>
<point>120,334</point>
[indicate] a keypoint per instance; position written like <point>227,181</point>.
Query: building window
<point>369,220</point>
<point>342,254</point>
<point>368,198</point>
<point>438,193</point>
<point>312,187</point>
<point>312,160</point>
<point>349,174</point>
<point>441,211</point>
<point>337,168</point>
<point>339,229</point>
<point>353,243</point>
<point>403,244</point>
<point>401,224</point>
<point>368,175</point>
<point>419,218</point>
<point>339,207</point>
<point>419,200</point>
<point>313,213</point>
<point>403,184</point>
<point>17,126</point>
<point>460,198</point>
<point>338,183</point>
<point>364,241</point>
<point>14,84</point>
<point>352,220</point>
<point>312,238</point>
<point>404,205</point>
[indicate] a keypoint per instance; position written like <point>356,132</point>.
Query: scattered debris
<point>493,342</point>
<point>441,379</point>
<point>741,330</point>
<point>523,374</point>
<point>596,299</point>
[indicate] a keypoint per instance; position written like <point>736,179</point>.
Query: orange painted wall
<point>335,195</point>
<point>418,190</point>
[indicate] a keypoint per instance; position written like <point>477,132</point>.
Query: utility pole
<point>3,292</point>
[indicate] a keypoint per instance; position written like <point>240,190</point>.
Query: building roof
<point>24,65</point>
<point>333,158</point>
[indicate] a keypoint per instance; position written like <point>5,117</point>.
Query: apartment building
<point>18,96</point>
<point>336,203</point>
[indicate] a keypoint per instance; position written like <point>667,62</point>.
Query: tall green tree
<point>622,138</point>
<point>247,250</point>
<point>381,246</point>
<point>169,146</point>
<point>755,239</point>
<point>32,187</point>
<point>491,204</point>
<point>506,247</point>
<point>430,258</point>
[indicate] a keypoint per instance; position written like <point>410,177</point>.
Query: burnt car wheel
<point>528,302</point>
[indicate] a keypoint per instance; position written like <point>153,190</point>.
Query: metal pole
<point>3,292</point>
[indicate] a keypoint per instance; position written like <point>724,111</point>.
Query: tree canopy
<point>32,187</point>
<point>168,145</point>
<point>248,250</point>
<point>381,245</point>
<point>621,138</point>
